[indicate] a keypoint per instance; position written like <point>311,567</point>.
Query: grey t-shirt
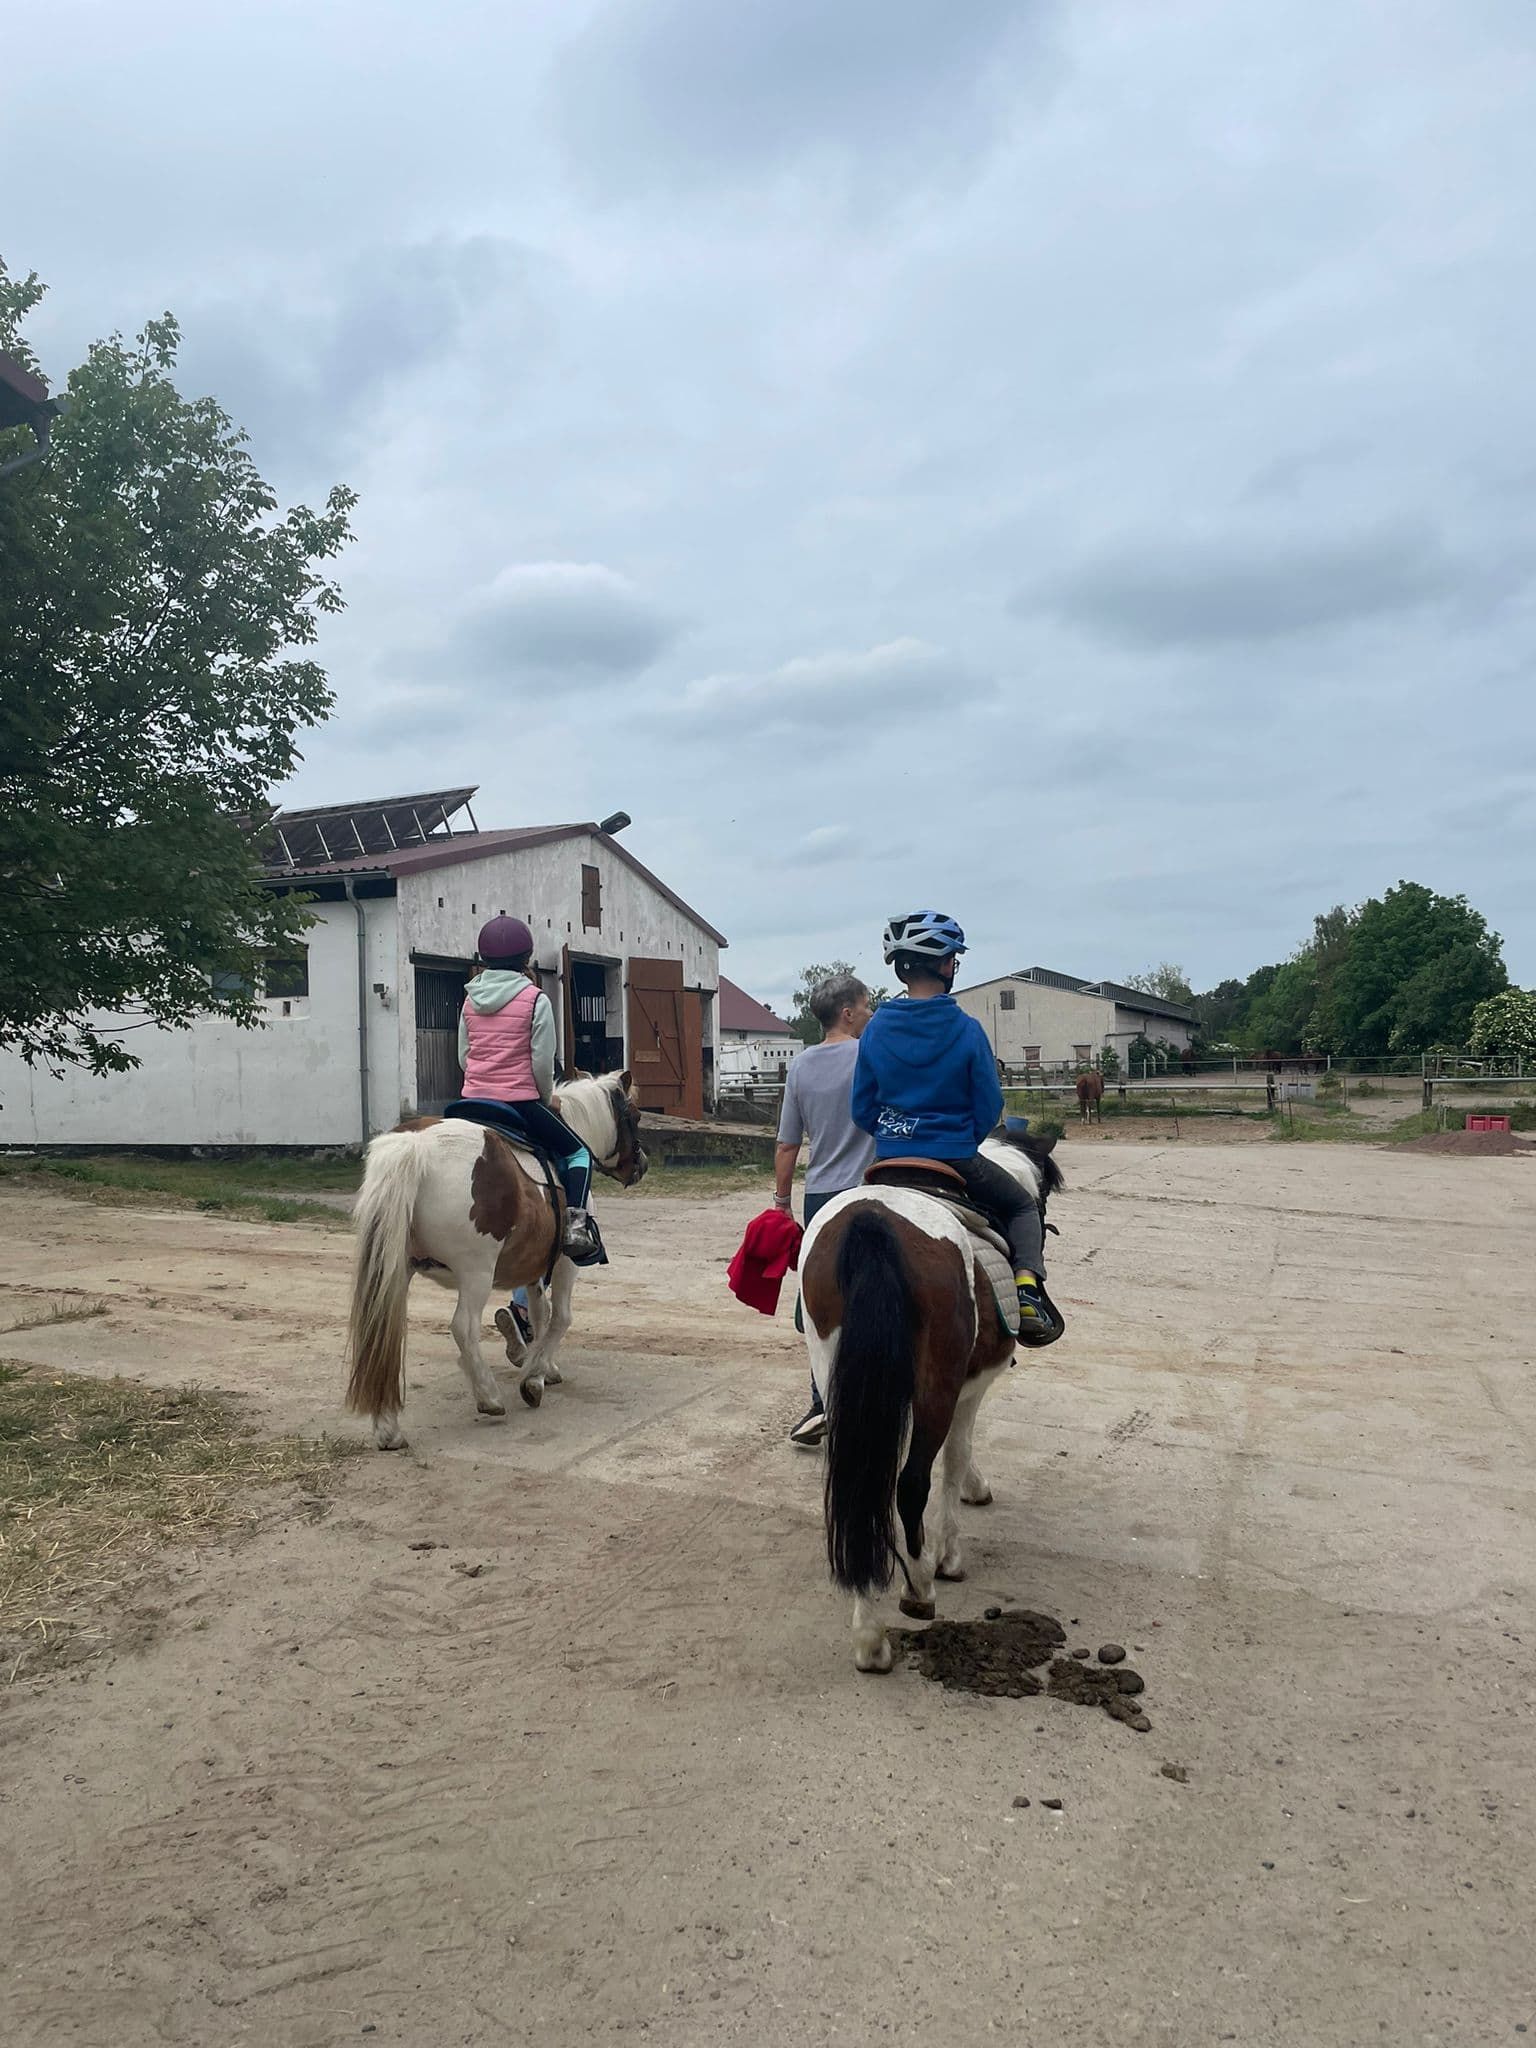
<point>816,1094</point>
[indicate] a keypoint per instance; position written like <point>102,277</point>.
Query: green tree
<point>1418,965</point>
<point>1278,1019</point>
<point>153,602</point>
<point>1504,1026</point>
<point>1166,980</point>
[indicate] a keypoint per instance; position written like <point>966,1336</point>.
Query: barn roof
<point>423,838</point>
<point>741,1012</point>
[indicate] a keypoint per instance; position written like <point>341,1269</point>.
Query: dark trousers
<point>546,1131</point>
<point>1018,1209</point>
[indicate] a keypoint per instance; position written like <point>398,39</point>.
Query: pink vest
<point>499,1065</point>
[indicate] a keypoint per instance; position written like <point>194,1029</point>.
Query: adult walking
<point>816,1110</point>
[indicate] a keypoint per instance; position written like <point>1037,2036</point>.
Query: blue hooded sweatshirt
<point>926,1081</point>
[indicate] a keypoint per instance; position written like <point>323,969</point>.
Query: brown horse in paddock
<point>905,1336</point>
<point>1090,1093</point>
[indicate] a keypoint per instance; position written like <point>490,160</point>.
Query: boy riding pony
<point>926,1087</point>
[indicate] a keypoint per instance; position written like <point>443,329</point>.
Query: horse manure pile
<point>1470,1144</point>
<point>1002,1657</point>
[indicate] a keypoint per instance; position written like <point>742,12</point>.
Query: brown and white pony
<point>1090,1093</point>
<point>905,1339</point>
<point>456,1202</point>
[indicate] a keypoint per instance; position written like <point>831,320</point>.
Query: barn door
<point>439,999</point>
<point>665,1039</point>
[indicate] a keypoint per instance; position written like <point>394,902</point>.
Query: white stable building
<point>1040,1018</point>
<point>361,1026</point>
<point>755,1045</point>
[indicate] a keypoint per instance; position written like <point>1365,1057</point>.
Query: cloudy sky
<point>1071,463</point>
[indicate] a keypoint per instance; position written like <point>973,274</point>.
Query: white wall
<point>1055,1019</point>
<point>442,910</point>
<point>743,1054</point>
<point>294,1083</point>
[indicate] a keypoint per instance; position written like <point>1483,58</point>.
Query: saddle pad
<point>1000,1274</point>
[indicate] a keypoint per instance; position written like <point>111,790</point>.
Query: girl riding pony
<point>507,1051</point>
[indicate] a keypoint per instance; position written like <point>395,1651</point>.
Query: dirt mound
<point>1000,1655</point>
<point>1474,1144</point>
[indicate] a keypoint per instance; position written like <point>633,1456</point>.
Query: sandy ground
<point>626,1783</point>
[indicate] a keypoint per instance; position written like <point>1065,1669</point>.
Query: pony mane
<point>1027,1159</point>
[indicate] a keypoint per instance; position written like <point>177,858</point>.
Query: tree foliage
<point>1166,980</point>
<point>1397,974</point>
<point>801,1022</point>
<point>1416,968</point>
<point>153,605</point>
<point>1504,1026</point>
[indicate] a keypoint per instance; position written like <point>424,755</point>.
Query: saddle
<point>503,1119</point>
<point>934,1178</point>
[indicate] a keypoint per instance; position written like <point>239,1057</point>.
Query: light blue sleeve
<point>543,1047</point>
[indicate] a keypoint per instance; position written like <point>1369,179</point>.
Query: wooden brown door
<point>666,1054</point>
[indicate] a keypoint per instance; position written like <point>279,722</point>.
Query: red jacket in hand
<point>769,1250</point>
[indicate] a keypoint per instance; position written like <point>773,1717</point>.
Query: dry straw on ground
<point>97,1476</point>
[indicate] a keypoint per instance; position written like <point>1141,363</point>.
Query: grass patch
<point>691,1183</point>
<point>98,1476</point>
<point>253,1189</point>
<point>65,1308</point>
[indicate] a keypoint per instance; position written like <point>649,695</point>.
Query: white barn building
<point>362,1027</point>
<point>755,1045</point>
<point>1039,1018</point>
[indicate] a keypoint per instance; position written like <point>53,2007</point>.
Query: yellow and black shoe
<point>1040,1321</point>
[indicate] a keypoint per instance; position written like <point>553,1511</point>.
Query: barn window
<point>1005,999</point>
<point>287,974</point>
<point>1081,1054</point>
<point>591,899</point>
<point>229,981</point>
<point>1031,1055</point>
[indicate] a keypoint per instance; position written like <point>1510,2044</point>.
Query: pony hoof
<point>495,1409</point>
<point>553,1376</point>
<point>532,1391</point>
<point>978,1500</point>
<point>953,1572</point>
<point>393,1442</point>
<point>876,1662</point>
<point>918,1610</point>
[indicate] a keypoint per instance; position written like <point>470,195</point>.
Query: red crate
<point>1487,1123</point>
<point>1477,1123</point>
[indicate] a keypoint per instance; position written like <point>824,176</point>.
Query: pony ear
<point>625,1079</point>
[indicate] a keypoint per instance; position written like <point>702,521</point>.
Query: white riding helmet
<point>931,934</point>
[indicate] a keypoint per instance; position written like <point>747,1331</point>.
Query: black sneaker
<point>1040,1320</point>
<point>811,1428</point>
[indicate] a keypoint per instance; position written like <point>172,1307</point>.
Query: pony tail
<point>382,1274</point>
<point>868,1403</point>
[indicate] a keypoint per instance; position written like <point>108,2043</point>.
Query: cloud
<point>1155,593</point>
<point>871,689</point>
<point>825,844</point>
<point>307,367</point>
<point>657,91</point>
<point>564,618</point>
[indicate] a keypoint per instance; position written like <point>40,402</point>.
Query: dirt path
<point>624,1783</point>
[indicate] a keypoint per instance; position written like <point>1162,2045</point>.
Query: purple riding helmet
<point>504,938</point>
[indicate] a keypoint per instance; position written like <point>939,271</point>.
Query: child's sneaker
<point>1039,1322</point>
